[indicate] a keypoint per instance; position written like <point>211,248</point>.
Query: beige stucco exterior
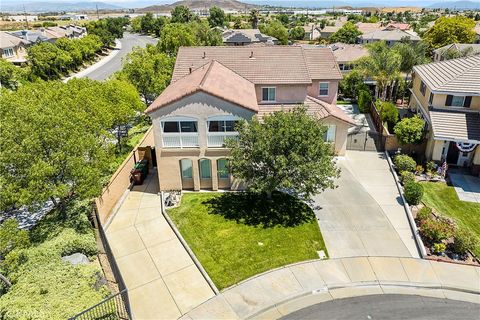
<point>314,90</point>
<point>284,93</point>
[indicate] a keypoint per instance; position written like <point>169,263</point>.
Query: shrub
<point>430,166</point>
<point>413,192</point>
<point>11,237</point>
<point>437,230</point>
<point>424,214</point>
<point>405,163</point>
<point>439,248</point>
<point>410,130</point>
<point>388,113</point>
<point>406,177</point>
<point>419,169</point>
<point>364,101</point>
<point>464,240</point>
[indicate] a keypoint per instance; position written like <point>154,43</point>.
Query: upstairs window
<point>430,99</point>
<point>423,88</point>
<point>179,126</point>
<point>8,52</point>
<point>323,89</point>
<point>269,94</point>
<point>222,125</point>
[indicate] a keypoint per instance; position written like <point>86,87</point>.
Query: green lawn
<point>445,201</point>
<point>236,235</point>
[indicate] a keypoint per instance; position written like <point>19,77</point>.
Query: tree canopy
<point>285,152</point>
<point>216,17</point>
<point>275,29</point>
<point>55,138</point>
<point>297,33</point>
<point>410,130</point>
<point>181,14</point>
<point>448,30</point>
<point>348,33</point>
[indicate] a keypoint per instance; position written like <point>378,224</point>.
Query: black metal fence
<point>112,308</point>
<point>116,306</point>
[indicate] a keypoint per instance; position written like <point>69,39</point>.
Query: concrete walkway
<point>282,291</point>
<point>162,280</point>
<point>364,216</point>
<point>467,187</point>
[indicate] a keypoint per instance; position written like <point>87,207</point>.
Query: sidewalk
<point>162,280</point>
<point>279,292</point>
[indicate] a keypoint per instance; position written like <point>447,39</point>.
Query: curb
<point>187,248</point>
<point>411,221</point>
<point>375,284</point>
<point>93,67</point>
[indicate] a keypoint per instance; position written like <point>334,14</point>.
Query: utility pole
<point>98,16</point>
<point>26,18</point>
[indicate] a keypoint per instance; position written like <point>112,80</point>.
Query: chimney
<point>251,54</point>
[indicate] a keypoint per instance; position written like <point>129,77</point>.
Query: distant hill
<point>38,7</point>
<point>229,5</point>
<point>456,5</point>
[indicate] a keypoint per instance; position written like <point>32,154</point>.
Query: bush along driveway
<point>238,235</point>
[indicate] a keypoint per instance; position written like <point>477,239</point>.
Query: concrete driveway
<point>364,216</point>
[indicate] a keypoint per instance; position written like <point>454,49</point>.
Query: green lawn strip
<point>45,287</point>
<point>231,251</point>
<point>445,201</point>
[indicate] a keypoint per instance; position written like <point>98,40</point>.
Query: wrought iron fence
<point>112,308</point>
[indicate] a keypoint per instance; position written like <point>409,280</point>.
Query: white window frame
<point>268,94</point>
<point>216,139</point>
<point>10,52</point>
<point>331,133</point>
<point>319,89</point>
<point>185,138</point>
<point>460,106</point>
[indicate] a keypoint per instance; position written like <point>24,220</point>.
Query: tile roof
<point>455,75</point>
<point>365,27</point>
<point>460,47</point>
<point>455,125</point>
<point>316,108</point>
<point>28,35</point>
<point>212,78</point>
<point>401,26</point>
<point>7,40</point>
<point>263,64</point>
<point>344,52</point>
<point>246,36</point>
<point>392,35</point>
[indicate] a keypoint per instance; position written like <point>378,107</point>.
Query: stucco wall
<point>284,93</point>
<point>437,150</point>
<point>314,90</point>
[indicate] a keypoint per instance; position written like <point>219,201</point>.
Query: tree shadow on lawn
<point>255,209</point>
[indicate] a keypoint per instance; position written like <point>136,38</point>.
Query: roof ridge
<point>202,82</point>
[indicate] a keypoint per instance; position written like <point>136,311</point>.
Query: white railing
<point>180,140</point>
<point>217,139</point>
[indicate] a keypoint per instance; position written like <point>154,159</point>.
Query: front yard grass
<point>444,200</point>
<point>238,235</point>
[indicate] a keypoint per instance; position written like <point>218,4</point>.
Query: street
<point>128,41</point>
<point>389,307</point>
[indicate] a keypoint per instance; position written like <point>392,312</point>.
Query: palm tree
<point>382,65</point>
<point>254,16</point>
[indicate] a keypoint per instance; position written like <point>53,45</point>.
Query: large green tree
<point>216,17</point>
<point>181,14</point>
<point>55,138</point>
<point>448,30</point>
<point>348,33</point>
<point>275,29</point>
<point>49,61</point>
<point>382,65</point>
<point>11,76</point>
<point>148,70</point>
<point>174,36</point>
<point>285,152</point>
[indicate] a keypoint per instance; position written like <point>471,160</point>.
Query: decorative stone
<point>76,259</point>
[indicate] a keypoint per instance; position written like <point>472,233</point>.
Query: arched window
<point>205,168</point>
<point>186,168</point>
<point>222,169</point>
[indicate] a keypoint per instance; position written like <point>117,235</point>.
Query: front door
<point>453,153</point>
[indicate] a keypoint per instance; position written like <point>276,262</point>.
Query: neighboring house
<point>22,18</point>
<point>312,32</point>
<point>446,52</point>
<point>365,27</point>
<point>447,95</point>
<point>242,37</point>
<point>13,49</point>
<point>214,87</point>
<point>31,36</point>
<point>477,32</point>
<point>347,54</point>
<point>389,36</point>
<point>399,26</point>
<point>327,32</point>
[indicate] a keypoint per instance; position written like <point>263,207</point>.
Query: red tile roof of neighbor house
<point>212,78</point>
<point>316,108</point>
<point>263,64</point>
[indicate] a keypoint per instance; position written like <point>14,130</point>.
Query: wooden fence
<point>120,180</point>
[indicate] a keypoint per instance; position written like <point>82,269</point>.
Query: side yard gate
<point>366,141</point>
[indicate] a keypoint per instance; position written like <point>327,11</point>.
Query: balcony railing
<point>217,139</point>
<point>180,140</point>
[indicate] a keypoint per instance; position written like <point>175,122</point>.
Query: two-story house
<point>447,94</point>
<point>245,37</point>
<point>214,87</point>
<point>12,48</point>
